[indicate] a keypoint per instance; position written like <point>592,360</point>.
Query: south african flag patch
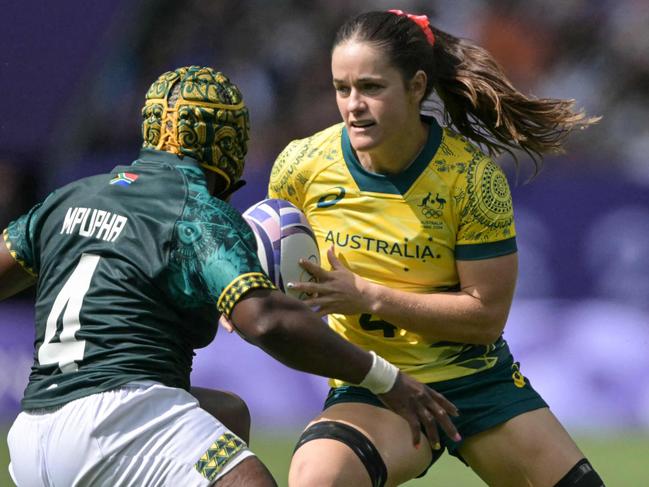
<point>124,178</point>
<point>218,455</point>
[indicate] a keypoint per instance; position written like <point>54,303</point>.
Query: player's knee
<point>305,472</point>
<point>311,471</point>
<point>581,475</point>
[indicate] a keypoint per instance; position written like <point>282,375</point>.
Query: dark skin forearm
<point>287,330</point>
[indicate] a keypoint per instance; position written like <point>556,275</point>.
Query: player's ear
<point>418,85</point>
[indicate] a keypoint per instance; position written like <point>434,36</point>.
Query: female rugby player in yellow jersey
<point>417,225</point>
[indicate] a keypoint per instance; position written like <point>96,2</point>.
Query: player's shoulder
<point>459,160</point>
<point>478,185</point>
<point>457,153</point>
<point>81,183</point>
<point>317,149</point>
<point>203,209</point>
<point>303,159</point>
<point>77,189</point>
<point>202,205</point>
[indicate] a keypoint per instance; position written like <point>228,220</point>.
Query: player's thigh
<point>166,431</point>
<point>24,451</point>
<point>530,449</point>
<point>226,407</point>
<point>328,462</point>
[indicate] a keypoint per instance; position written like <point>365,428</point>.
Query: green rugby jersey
<point>134,268</point>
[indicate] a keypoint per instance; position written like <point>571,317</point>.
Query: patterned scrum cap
<point>209,120</point>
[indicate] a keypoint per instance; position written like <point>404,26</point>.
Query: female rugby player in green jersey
<point>133,269</point>
<point>416,223</point>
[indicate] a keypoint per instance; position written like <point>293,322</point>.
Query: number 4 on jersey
<point>367,323</point>
<point>68,302</point>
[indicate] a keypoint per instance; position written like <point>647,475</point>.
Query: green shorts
<point>485,399</point>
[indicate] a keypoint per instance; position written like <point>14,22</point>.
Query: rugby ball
<point>283,236</point>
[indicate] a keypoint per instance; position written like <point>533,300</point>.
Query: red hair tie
<point>421,21</point>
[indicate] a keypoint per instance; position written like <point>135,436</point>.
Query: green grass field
<point>621,459</point>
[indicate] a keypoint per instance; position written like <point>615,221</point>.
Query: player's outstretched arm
<point>289,331</point>
<point>13,278</point>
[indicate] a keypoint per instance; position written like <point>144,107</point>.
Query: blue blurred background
<point>73,76</point>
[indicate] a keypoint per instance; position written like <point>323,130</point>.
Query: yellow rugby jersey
<point>404,232</point>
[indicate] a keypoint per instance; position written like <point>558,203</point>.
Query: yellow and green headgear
<point>209,120</point>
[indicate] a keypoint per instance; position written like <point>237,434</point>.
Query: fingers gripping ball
<point>283,236</point>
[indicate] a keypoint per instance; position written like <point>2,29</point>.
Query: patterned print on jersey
<point>288,176</point>
<point>489,202</point>
<point>472,357</point>
<point>213,247</point>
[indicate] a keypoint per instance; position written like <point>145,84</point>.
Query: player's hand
<point>336,291</point>
<point>423,407</point>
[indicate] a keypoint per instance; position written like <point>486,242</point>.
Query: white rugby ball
<point>283,236</point>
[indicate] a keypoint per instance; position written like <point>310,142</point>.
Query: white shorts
<point>141,434</point>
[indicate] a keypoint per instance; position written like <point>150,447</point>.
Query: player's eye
<point>371,88</point>
<point>342,90</point>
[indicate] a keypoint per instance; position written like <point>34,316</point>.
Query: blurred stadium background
<point>73,75</point>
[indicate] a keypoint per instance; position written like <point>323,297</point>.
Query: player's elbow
<point>269,320</point>
<point>489,329</point>
<point>488,336</point>
<point>265,329</point>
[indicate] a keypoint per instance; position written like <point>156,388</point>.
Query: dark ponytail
<point>478,99</point>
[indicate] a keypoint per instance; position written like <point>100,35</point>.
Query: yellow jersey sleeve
<point>485,213</point>
<point>300,162</point>
<point>287,178</point>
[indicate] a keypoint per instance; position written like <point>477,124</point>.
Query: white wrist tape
<point>381,377</point>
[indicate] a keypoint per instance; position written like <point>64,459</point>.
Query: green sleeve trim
<point>485,250</point>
